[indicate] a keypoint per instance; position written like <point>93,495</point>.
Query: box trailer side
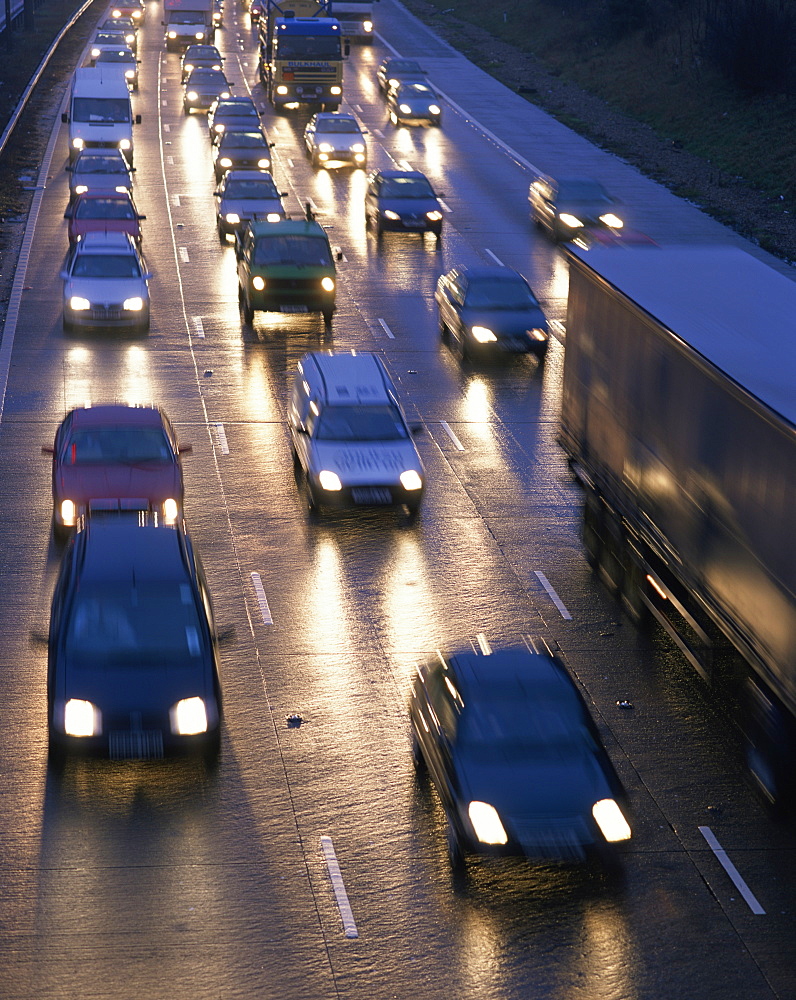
<point>689,472</point>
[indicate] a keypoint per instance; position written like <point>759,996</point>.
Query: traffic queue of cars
<point>506,737</point>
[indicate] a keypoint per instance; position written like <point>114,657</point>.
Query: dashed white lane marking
<point>483,643</point>
<point>221,434</point>
<point>198,326</point>
<point>732,871</point>
<point>175,201</point>
<point>170,160</point>
<point>494,257</point>
<point>553,595</point>
<point>558,330</point>
<point>386,329</point>
<point>262,600</point>
<point>184,255</point>
<point>167,128</point>
<point>457,443</point>
<point>340,894</point>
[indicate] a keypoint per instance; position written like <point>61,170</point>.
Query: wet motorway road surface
<point>167,880</point>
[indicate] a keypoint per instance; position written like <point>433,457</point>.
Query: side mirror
<point>338,253</point>
<point>47,449</point>
<point>64,117</point>
<point>63,275</point>
<point>146,275</point>
<point>417,429</point>
<point>347,48</point>
<point>138,119</point>
<point>141,218</point>
<point>68,213</point>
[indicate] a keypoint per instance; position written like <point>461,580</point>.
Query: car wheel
<point>68,326</point>
<point>379,227</point>
<point>245,307</point>
<point>455,852</point>
<point>541,354</point>
<point>393,118</point>
<point>314,160</point>
<point>222,236</point>
<point>418,759</point>
<point>444,332</point>
<point>327,317</point>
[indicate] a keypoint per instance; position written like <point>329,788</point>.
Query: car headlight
<point>611,220</point>
<point>78,143</point>
<point>325,147</point>
<point>367,25</point>
<point>79,304</point>
<point>191,95</point>
<point>125,143</point>
<point>613,825</point>
<point>410,480</point>
<point>435,109</point>
<point>281,89</point>
<point>570,220</point>
<point>330,481</point>
<point>172,34</point>
<point>264,164</point>
<point>82,718</point>
<point>121,188</point>
<point>225,162</point>
<point>129,39</point>
<point>134,304</point>
<point>224,94</point>
<point>483,334</point>
<point>434,216</point>
<point>137,15</point>
<point>188,717</point>
<point>404,109</point>
<point>273,217</point>
<point>232,218</point>
<point>199,35</point>
<point>327,284</point>
<point>486,823</point>
<point>258,283</point>
<point>129,74</point>
<point>187,68</point>
<point>537,333</point>
<point>170,510</point>
<point>81,188</point>
<point>116,13</point>
<point>389,214</point>
<point>358,147</point>
<point>68,513</point>
<point>216,65</point>
<point>336,91</point>
<point>219,128</point>
<point>95,53</point>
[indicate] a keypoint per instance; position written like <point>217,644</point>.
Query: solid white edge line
<point>494,257</point>
<point>262,600</point>
<point>444,424</point>
<point>386,329</point>
<point>222,438</point>
<point>553,595</point>
<point>483,643</point>
<point>340,894</point>
<point>732,871</point>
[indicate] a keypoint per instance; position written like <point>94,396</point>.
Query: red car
<point>114,458</point>
<point>103,212</point>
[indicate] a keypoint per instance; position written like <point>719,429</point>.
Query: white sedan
<point>335,139</point>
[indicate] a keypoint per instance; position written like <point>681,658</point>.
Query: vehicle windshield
<point>299,250</point>
<point>204,74</point>
<point>337,125</point>
<point>187,17</point>
<point>110,38</point>
<point>104,208</point>
<point>511,727</point>
<point>242,140</point>
<point>114,624</point>
<point>117,445</point>
<point>406,187</point>
<point>360,423</point>
<point>195,52</point>
<point>106,265</point>
<point>497,293</point>
<point>100,165</point>
<point>308,47</point>
<point>238,111</point>
<point>416,90</point>
<point>585,191</point>
<point>403,66</point>
<point>244,190</point>
<point>101,109</point>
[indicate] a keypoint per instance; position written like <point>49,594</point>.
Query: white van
<point>100,113</point>
<point>350,437</point>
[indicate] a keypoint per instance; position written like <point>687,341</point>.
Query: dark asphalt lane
<point>172,881</point>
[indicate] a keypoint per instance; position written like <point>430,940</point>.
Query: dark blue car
<point>402,201</point>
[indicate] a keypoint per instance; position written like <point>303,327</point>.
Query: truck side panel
<point>698,469</point>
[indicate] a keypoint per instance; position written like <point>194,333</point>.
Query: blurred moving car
<point>515,756</point>
<point>414,103</point>
<point>394,70</point>
<point>105,40</point>
<point>403,201</point>
<point>98,170</point>
<point>240,150</point>
<point>111,457</point>
<point>567,205</point>
<point>101,212</point>
<point>126,26</point>
<point>203,87</point>
<point>124,59</point>
<point>350,438</point>
<point>199,56</point>
<point>106,284</point>
<point>490,310</point>
<point>244,195</point>
<point>134,9</point>
<point>335,139</point>
<point>285,266</point>
<point>233,113</point>
<point>133,665</point>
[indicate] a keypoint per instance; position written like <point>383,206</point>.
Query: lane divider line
<point>456,442</point>
<point>198,326</point>
<point>184,255</point>
<point>222,438</point>
<point>749,897</point>
<point>340,894</point>
<point>386,329</point>
<point>553,595</point>
<point>494,257</point>
<point>262,600</point>
<point>483,643</point>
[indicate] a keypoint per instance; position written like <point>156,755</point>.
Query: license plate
<point>414,223</point>
<point>293,309</point>
<point>371,494</point>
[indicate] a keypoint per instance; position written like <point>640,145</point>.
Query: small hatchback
<point>402,201</point>
<point>334,139</point>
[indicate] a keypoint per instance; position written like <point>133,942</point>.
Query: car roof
<point>117,413</point>
<point>231,134</point>
<point>350,378</point>
<point>118,548</point>
<point>483,271</point>
<point>325,116</point>
<point>98,242</point>
<point>241,174</point>
<point>400,173</point>
<point>289,227</point>
<point>482,676</point>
